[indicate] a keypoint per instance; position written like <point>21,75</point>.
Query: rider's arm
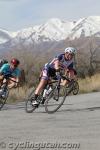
<point>57,68</point>
<point>57,65</point>
<point>70,67</point>
<point>57,61</point>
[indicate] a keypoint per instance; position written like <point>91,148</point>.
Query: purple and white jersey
<point>63,62</point>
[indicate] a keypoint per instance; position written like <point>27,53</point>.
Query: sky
<point>18,14</point>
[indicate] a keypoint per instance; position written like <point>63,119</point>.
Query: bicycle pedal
<point>43,101</point>
<point>35,105</point>
<point>55,98</point>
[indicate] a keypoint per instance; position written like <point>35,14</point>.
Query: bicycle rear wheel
<point>75,88</point>
<point>28,104</point>
<point>55,99</point>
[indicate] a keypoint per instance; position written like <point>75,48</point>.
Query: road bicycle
<point>52,96</point>
<point>4,90</point>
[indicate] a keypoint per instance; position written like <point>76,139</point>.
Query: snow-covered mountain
<point>54,30</point>
<point>86,27</point>
<point>6,36</point>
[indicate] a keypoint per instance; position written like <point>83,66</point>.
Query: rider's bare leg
<point>40,86</point>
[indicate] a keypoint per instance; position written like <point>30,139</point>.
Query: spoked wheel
<point>55,100</point>
<point>3,98</point>
<point>28,104</point>
<point>75,88</point>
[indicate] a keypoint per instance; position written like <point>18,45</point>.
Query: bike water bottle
<point>44,93</point>
<point>49,90</point>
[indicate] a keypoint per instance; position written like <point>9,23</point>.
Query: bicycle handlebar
<point>13,80</point>
<point>8,77</point>
<point>64,77</point>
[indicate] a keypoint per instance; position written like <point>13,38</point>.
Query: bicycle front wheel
<point>55,100</point>
<point>3,98</point>
<point>28,103</point>
<point>2,102</point>
<point>75,88</point>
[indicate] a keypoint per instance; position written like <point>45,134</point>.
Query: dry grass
<point>90,84</point>
<point>18,94</point>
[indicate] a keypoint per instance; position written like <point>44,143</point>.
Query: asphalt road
<point>76,125</point>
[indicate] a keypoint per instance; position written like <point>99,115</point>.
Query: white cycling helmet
<point>70,50</point>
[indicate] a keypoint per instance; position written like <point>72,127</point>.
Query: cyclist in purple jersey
<point>52,69</point>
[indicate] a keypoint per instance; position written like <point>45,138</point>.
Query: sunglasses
<point>14,65</point>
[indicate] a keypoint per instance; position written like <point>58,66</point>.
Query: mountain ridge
<point>53,30</point>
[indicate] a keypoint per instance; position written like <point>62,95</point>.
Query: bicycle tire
<point>29,100</point>
<point>75,88</point>
<point>3,100</point>
<point>51,99</point>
